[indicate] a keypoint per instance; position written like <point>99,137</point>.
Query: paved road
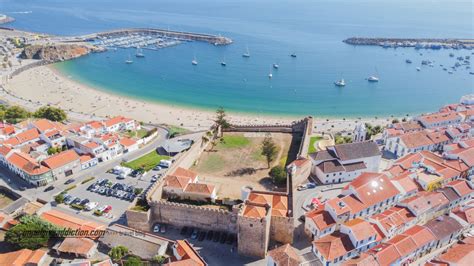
<point>14,182</point>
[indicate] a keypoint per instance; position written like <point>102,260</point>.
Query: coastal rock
<point>56,52</point>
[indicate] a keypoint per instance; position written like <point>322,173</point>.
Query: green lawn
<point>174,130</point>
<point>146,162</point>
<point>138,134</point>
<point>312,142</point>
<point>213,163</point>
<point>233,141</point>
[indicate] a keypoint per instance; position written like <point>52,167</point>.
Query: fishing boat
<point>194,62</point>
<point>340,83</point>
<point>270,75</point>
<point>418,69</point>
<point>247,53</point>
<point>276,66</point>
<point>129,60</point>
<point>223,63</point>
<point>139,53</point>
<point>293,55</point>
<point>373,79</point>
<point>408,61</point>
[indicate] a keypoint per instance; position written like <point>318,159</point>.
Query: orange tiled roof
<point>385,253</point>
<point>285,256</point>
<point>205,189</point>
<point>44,125</point>
<point>440,117</point>
<point>416,139</point>
<point>85,158</point>
<point>333,246</point>
<point>420,235</point>
<point>177,182</point>
<point>127,142</point>
<point>116,120</point>
<point>181,172</point>
<point>279,203</point>
<point>22,257</point>
<point>321,218</point>
<point>187,252</point>
<point>254,211</point>
<point>67,221</point>
<point>61,159</point>
<point>24,162</point>
<point>404,244</point>
<point>76,245</point>
<point>23,137</point>
<point>372,188</point>
<point>461,187</point>
<point>361,229</point>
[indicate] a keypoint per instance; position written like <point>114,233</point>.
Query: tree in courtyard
<point>133,261</point>
<point>31,233</point>
<point>269,149</point>
<point>59,198</point>
<point>118,252</point>
<point>158,259</point>
<point>50,113</point>
<point>278,174</point>
<point>221,119</point>
<point>14,114</point>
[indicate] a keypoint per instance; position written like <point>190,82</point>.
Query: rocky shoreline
<point>57,52</point>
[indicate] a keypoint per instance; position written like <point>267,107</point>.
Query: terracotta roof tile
<point>361,229</point>
<point>61,159</point>
<point>321,218</point>
<point>285,256</point>
<point>333,246</point>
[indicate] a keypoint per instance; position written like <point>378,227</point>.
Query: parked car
<point>163,229</point>
<point>217,236</point>
<point>223,238</point>
<point>91,205</point>
<point>202,235</point>
<point>194,235</point>
<point>156,228</point>
<point>209,235</point>
<point>49,188</point>
<point>107,209</point>
<point>77,200</point>
<point>157,168</point>
<point>310,185</point>
<point>69,200</point>
<point>23,188</point>
<point>84,202</point>
<point>154,178</point>
<point>301,187</point>
<point>69,181</point>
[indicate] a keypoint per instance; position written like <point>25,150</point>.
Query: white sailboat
<point>194,62</point>
<point>223,63</point>
<point>373,78</point>
<point>247,53</point>
<point>340,83</point>
<point>139,53</point>
<point>129,60</point>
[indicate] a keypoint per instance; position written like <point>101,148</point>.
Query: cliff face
<point>57,52</point>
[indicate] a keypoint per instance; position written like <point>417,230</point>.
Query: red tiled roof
<point>416,139</point>
<point>333,246</point>
<point>26,163</point>
<point>404,244</point>
<point>22,257</point>
<point>372,188</point>
<point>44,125</point>
<point>200,188</point>
<point>385,253</point>
<point>61,159</point>
<point>285,256</point>
<point>187,252</point>
<point>461,187</point>
<point>321,218</point>
<point>127,142</point>
<point>64,220</point>
<point>177,182</point>
<point>181,172</point>
<point>420,235</point>
<point>361,229</point>
<point>254,211</point>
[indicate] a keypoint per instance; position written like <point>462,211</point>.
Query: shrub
<point>59,198</point>
<point>278,174</point>
<point>138,191</point>
<point>118,252</point>
<point>70,187</point>
<point>87,180</point>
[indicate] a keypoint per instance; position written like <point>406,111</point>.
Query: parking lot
<point>109,189</point>
<point>211,248</point>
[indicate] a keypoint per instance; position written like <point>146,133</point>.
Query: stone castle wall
<point>138,220</point>
<point>281,229</point>
<point>253,236</point>
<point>181,215</point>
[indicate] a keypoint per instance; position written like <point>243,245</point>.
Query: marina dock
<point>422,43</point>
<point>156,33</point>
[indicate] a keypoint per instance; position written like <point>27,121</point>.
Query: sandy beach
<point>45,85</point>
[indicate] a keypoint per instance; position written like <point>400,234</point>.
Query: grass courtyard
<point>236,161</point>
<point>313,142</point>
<point>146,162</point>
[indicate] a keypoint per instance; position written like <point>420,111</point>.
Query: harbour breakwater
<point>213,39</point>
<point>421,43</point>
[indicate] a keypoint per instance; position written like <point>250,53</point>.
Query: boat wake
<point>21,12</point>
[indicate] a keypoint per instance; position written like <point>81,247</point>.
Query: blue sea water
<point>272,29</point>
